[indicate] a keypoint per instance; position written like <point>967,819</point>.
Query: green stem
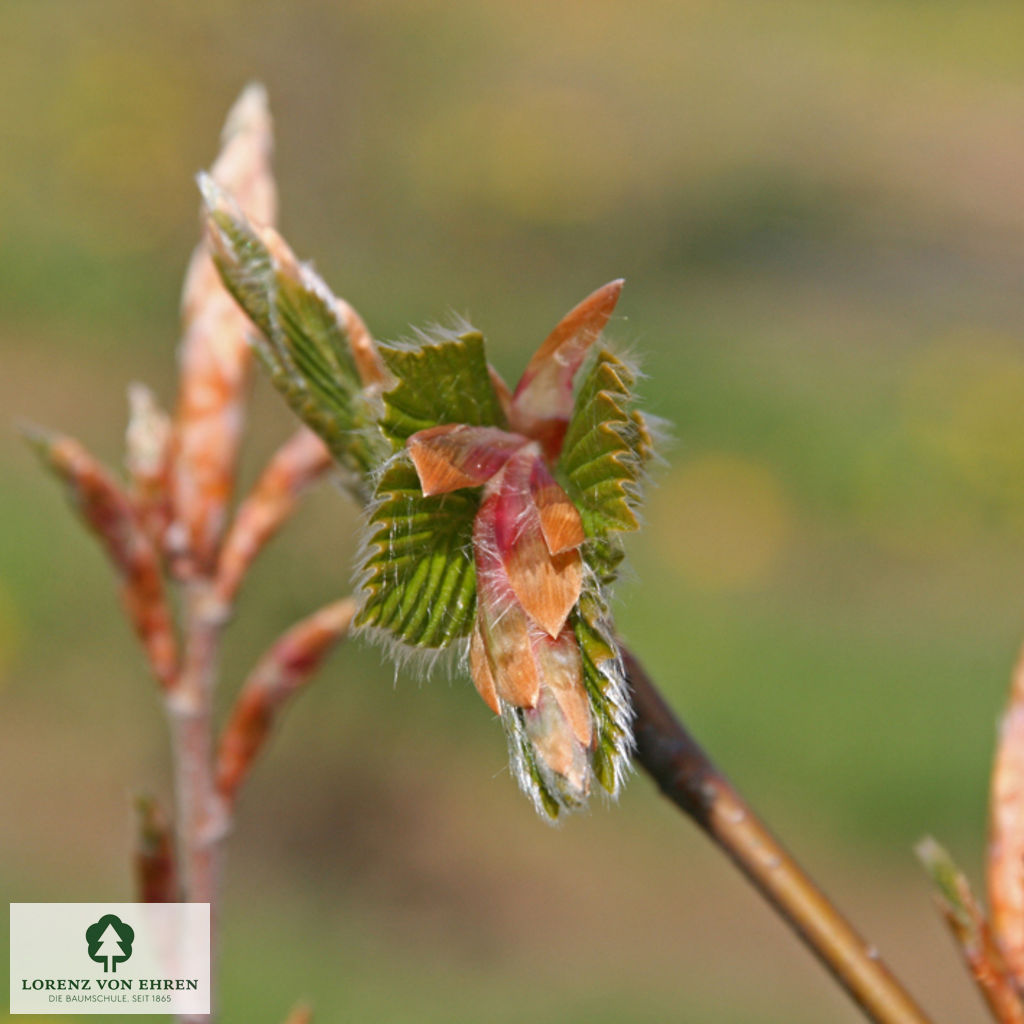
<point>686,775</point>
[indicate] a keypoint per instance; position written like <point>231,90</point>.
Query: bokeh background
<point>819,210</point>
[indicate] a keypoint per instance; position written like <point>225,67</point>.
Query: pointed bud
<point>980,950</point>
<point>503,624</point>
<point>547,585</point>
<point>543,400</point>
<point>215,354</point>
<point>523,670</point>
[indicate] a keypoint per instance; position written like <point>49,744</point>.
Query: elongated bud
<point>502,621</point>
<point>527,666</point>
<point>110,515</point>
<point>546,584</point>
<point>543,401</point>
<point>215,353</point>
<point>294,467</point>
<point>282,671</point>
<point>316,348</point>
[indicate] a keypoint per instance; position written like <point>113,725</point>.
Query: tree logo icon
<point>110,942</point>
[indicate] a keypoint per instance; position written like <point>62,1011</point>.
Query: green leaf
<point>305,345</point>
<point>418,576</point>
<point>443,380</point>
<point>950,882</point>
<point>607,446</point>
<point>604,679</point>
<point>975,936</point>
<point>604,456</point>
<point>241,257</point>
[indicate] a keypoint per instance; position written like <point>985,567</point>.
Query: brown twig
<point>687,776</point>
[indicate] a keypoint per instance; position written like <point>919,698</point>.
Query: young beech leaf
<point>306,345</point>
<point>605,682</point>
<point>418,573</point>
<point>606,450</point>
<point>241,258</point>
<point>439,381</point>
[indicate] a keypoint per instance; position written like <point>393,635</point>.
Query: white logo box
<point>110,958</point>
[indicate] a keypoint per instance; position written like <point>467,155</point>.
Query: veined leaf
<point>305,346</point>
<point>439,381</point>
<point>604,679</point>
<point>418,575</point>
<point>239,254</point>
<point>606,449</point>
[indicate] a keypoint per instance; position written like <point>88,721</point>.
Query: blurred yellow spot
<point>10,632</point>
<point>721,522</point>
<point>964,404</point>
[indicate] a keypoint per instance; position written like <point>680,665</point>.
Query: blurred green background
<point>819,212</point>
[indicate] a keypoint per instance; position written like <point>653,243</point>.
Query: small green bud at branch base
<point>970,930</point>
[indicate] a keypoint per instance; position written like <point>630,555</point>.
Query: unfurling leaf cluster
<point>494,516</point>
